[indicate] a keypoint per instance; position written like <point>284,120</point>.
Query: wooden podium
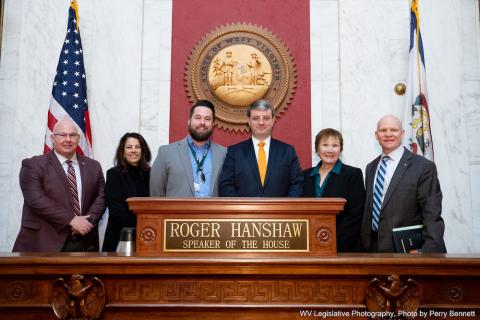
<point>247,281</point>
<point>236,227</point>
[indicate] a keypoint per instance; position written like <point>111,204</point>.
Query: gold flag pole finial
<point>414,8</point>
<point>74,5</point>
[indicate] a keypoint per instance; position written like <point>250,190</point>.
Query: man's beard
<point>199,136</point>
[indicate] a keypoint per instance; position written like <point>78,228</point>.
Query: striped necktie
<point>262,162</point>
<point>378,193</point>
<point>72,182</point>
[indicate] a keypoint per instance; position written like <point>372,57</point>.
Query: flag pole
<point>417,40</point>
<point>74,5</point>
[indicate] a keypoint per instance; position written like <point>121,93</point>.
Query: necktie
<point>378,193</point>
<point>262,162</point>
<point>72,181</point>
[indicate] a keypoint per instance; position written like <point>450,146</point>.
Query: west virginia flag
<point>418,135</point>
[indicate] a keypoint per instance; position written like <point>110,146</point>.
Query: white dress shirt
<point>266,147</point>
<point>391,164</point>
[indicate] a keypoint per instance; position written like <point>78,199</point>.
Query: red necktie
<point>72,181</point>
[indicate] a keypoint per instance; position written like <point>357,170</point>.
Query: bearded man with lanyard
<point>190,167</point>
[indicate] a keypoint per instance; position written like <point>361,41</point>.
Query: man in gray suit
<point>190,167</point>
<point>402,190</point>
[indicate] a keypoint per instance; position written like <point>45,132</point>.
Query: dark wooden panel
<point>211,288</point>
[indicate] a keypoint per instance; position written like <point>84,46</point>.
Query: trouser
<point>374,241</point>
<point>79,243</point>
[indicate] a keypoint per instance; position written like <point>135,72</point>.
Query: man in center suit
<point>261,166</point>
<point>63,197</point>
<point>190,167</point>
<point>408,193</point>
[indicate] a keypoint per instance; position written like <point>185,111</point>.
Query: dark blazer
<point>47,207</point>
<point>240,176</point>
<point>348,185</point>
<point>413,197</point>
<point>121,185</point>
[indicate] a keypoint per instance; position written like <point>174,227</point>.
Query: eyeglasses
<point>63,135</point>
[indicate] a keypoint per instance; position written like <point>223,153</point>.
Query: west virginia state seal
<point>236,65</point>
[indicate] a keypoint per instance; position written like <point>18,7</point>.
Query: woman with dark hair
<point>331,178</point>
<point>129,178</point>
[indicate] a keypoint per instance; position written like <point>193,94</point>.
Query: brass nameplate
<point>236,235</point>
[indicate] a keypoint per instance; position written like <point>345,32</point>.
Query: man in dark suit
<point>401,192</point>
<point>63,197</point>
<point>261,166</point>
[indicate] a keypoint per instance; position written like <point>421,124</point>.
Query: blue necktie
<point>378,193</point>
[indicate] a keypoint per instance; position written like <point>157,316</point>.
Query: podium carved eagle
<point>393,295</point>
<point>78,298</point>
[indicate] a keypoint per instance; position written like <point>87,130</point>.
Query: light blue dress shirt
<point>202,189</point>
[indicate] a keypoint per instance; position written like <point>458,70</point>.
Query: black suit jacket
<point>120,186</point>
<point>240,176</point>
<point>413,197</point>
<point>348,185</point>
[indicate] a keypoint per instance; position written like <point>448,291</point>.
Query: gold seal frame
<point>236,64</point>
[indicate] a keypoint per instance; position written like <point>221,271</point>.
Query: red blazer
<point>47,207</point>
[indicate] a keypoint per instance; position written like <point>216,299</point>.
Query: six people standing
<point>64,192</point>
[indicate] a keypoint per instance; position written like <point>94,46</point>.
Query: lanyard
<point>200,162</point>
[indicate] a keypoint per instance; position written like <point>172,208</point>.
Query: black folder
<point>408,238</point>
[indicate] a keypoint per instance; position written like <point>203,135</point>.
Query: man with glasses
<point>63,197</point>
<point>261,166</point>
<point>190,167</point>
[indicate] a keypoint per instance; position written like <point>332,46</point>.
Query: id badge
<point>196,187</point>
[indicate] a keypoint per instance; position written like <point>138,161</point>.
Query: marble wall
<point>358,52</point>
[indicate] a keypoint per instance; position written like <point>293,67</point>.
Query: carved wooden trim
<point>78,298</point>
<point>323,235</point>
<point>455,293</point>
<point>212,287</point>
<point>148,235</point>
<point>17,291</point>
<point>402,298</point>
<point>226,291</point>
<point>149,205</point>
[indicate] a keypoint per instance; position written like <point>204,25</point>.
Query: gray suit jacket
<point>413,197</point>
<point>171,174</point>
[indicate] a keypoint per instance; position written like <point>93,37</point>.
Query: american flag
<point>418,134</point>
<point>69,93</point>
